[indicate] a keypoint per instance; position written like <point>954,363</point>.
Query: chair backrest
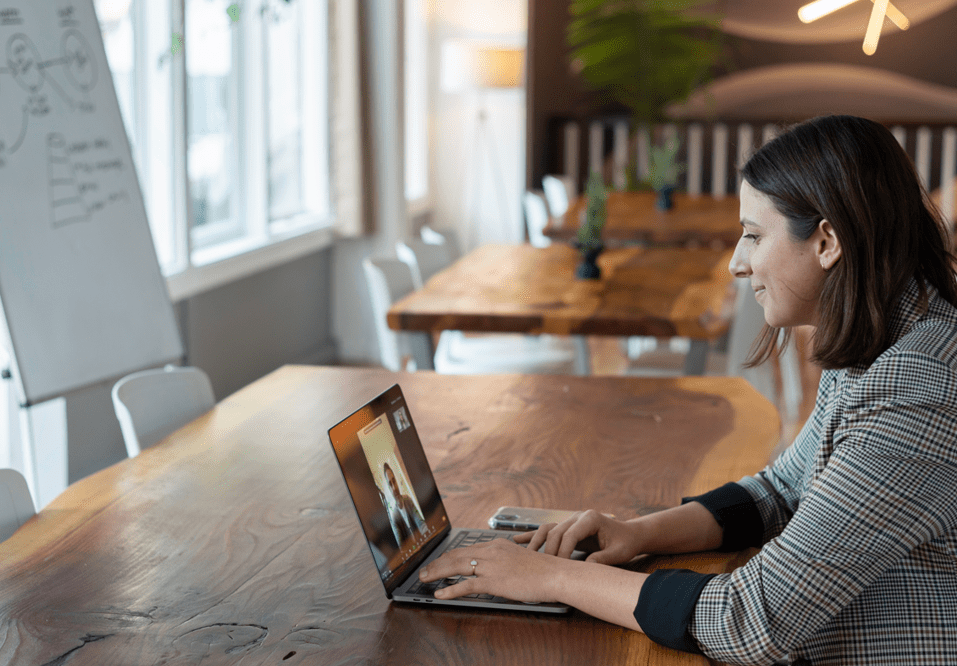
<point>425,259</point>
<point>153,403</point>
<point>557,194</point>
<point>536,218</point>
<point>388,281</point>
<point>445,237</point>
<point>16,504</point>
<point>745,327</point>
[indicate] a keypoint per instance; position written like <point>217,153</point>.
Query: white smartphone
<point>524,518</point>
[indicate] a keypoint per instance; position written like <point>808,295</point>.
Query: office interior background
<point>279,142</point>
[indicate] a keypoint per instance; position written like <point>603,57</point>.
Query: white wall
<point>481,202</point>
<point>352,316</point>
<point>452,127</point>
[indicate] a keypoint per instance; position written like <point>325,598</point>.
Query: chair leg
<point>420,344</point>
<point>697,358</point>
<point>582,355</point>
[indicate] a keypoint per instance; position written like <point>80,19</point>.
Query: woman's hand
<point>502,568</point>
<point>617,541</point>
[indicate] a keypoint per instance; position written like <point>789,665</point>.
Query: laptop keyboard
<point>461,540</point>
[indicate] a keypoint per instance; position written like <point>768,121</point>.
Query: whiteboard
<point>80,284</point>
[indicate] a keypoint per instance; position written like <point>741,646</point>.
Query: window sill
<point>228,262</point>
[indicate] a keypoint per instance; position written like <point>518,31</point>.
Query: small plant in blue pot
<point>589,242</point>
<point>663,171</point>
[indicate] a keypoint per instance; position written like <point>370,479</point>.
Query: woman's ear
<point>828,245</point>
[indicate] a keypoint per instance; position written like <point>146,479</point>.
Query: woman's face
<point>786,274</point>
<point>393,483</point>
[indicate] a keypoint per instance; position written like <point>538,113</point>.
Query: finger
<point>603,557</point>
<point>460,589</point>
<point>584,527</point>
<point>455,563</point>
<point>523,537</point>
<point>538,538</point>
<point>554,541</point>
<point>568,543</point>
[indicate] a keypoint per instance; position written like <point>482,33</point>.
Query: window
<point>225,103</point>
<point>416,103</point>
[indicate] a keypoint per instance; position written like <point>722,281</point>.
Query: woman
<point>403,515</point>
<point>857,519</point>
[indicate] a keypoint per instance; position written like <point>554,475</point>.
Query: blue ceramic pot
<point>588,269</point>
<point>664,200</point>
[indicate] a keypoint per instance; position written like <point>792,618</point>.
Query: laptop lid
<point>391,485</point>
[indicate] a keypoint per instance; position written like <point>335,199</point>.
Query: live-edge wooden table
<point>661,292</point>
<point>633,218</point>
<point>233,541</point>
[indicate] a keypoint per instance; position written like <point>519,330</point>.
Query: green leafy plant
<point>663,166</point>
<point>645,54</point>
<point>596,213</point>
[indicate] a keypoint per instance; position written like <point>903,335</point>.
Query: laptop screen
<point>391,484</point>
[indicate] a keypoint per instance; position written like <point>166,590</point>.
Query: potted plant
<point>664,170</point>
<point>590,243</point>
<point>645,55</point>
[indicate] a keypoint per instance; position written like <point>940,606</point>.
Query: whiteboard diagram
<point>32,74</point>
<point>82,294</point>
<point>66,203</point>
<point>82,174</point>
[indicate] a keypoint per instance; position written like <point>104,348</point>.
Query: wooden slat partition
<point>713,152</point>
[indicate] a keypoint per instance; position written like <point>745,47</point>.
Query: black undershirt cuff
<point>737,514</point>
<point>666,605</point>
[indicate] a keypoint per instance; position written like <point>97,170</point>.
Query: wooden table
<point>523,289</point>
<point>233,541</point>
<point>633,218</point>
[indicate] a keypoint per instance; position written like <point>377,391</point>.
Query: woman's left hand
<point>502,569</point>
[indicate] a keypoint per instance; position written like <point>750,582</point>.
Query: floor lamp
<point>482,69</point>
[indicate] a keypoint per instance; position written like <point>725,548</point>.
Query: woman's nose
<point>740,267</point>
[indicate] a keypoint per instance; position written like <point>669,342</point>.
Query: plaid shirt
<point>858,518</point>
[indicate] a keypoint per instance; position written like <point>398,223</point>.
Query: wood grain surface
<point>524,289</point>
<point>633,218</point>
<point>233,541</point>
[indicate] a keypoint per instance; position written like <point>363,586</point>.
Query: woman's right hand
<point>618,541</point>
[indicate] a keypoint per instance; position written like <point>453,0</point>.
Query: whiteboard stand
<point>28,448</point>
<point>82,295</point>
<point>42,434</point>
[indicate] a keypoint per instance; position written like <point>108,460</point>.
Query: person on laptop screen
<point>403,515</point>
<point>856,521</point>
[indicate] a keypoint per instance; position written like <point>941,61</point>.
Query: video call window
<point>392,480</point>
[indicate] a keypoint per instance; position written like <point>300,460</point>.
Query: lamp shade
<point>466,65</point>
<point>500,67</point>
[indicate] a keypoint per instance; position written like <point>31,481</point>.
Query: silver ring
<point>474,564</point>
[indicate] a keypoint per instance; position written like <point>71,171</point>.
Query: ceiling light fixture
<point>820,8</point>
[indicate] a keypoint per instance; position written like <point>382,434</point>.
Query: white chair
<point>151,404</point>
<point>559,192</point>
<point>456,353</point>
<point>388,280</point>
<point>16,505</point>
<point>745,327</point>
<point>536,219</point>
<point>425,259</point>
<point>445,237</point>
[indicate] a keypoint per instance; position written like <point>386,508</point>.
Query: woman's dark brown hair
<point>852,172</point>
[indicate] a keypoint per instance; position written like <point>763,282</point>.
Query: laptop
<point>399,507</point>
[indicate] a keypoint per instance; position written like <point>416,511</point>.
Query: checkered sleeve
<point>776,489</point>
<point>875,500</point>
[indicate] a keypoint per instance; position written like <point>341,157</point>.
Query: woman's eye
<point>751,237</point>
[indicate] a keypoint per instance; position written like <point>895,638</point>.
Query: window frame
<point>197,260</point>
